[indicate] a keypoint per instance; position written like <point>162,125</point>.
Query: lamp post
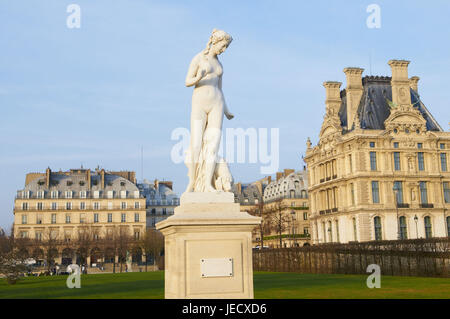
<point>396,206</point>
<point>416,219</point>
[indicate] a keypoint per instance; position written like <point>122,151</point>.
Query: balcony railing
<point>426,205</point>
<point>402,205</point>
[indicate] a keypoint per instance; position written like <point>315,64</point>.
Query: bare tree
<point>122,243</point>
<point>277,219</point>
<point>84,241</point>
<point>258,210</point>
<point>11,259</point>
<point>153,245</point>
<point>49,243</point>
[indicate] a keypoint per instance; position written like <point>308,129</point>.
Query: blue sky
<point>95,95</point>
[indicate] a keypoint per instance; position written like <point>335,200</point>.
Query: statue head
<point>218,42</point>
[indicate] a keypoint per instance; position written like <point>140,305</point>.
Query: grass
<point>267,286</point>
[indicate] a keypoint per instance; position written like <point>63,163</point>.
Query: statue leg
<point>213,133</point>
<point>198,122</point>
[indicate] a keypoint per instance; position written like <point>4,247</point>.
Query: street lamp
<point>416,219</point>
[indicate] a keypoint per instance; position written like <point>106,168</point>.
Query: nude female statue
<point>208,108</point>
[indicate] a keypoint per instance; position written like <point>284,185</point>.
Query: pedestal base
<point>208,251</point>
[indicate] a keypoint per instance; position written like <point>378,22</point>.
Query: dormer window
<point>69,183</point>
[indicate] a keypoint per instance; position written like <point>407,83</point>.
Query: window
<point>448,226</point>
<point>96,194</point>
<point>123,218</point>
<point>337,230</point>
<point>355,237</point>
<point>24,206</point>
<point>40,206</point>
<point>442,146</point>
<point>377,225</point>
<point>402,227</point>
<point>109,194</point>
<point>373,161</point>
<point>421,159</point>
<point>38,236</point>
<point>136,235</point>
<point>123,194</point>
<point>82,218</point>
<point>54,194</point>
<point>82,205</point>
<point>423,192</point>
<point>446,187</point>
<point>419,145</point>
<point>350,162</point>
<point>137,205</point>
<point>23,234</point>
<point>352,191</point>
<point>40,194</point>
<point>305,216</point>
<point>68,194</point>
<point>109,218</point>
<point>67,218</point>
<point>124,205</point>
<point>95,217</point>
<point>398,190</point>
<point>397,166</point>
<point>83,194</point>
<point>110,205</point>
<point>24,219</point>
<point>444,162</point>
<point>306,230</point>
<point>38,219</point>
<point>372,144</point>
<point>136,217</point>
<point>395,144</point>
<point>153,211</point>
<point>96,205</point>
<point>375,192</point>
<point>330,232</point>
<point>68,205</point>
<point>153,222</point>
<point>428,230</point>
<point>53,219</point>
<point>54,206</point>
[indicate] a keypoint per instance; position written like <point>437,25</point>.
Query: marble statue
<point>207,172</point>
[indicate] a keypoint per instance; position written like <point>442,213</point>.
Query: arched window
<point>428,230</point>
<point>330,232</point>
<point>304,194</point>
<point>377,225</point>
<point>402,227</point>
<point>355,233</point>
<point>324,232</point>
<point>292,193</point>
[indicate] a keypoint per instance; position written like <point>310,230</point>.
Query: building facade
<point>160,200</point>
<point>59,206</point>
<point>286,210</point>
<point>380,168</point>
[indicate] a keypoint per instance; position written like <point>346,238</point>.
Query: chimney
<point>48,172</point>
<point>156,183</point>
<point>413,83</point>
<point>279,175</point>
<point>269,178</point>
<point>288,171</point>
<point>102,179</point>
<point>400,82</point>
<point>333,96</point>
<point>354,92</point>
<point>88,178</point>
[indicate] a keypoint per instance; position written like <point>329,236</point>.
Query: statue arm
<point>226,111</point>
<point>193,75</point>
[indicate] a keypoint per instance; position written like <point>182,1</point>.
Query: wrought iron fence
<point>416,257</point>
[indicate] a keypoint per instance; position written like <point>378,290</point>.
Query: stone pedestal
<point>208,248</point>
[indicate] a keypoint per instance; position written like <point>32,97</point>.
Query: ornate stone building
<point>380,169</point>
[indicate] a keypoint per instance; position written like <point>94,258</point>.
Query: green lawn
<point>267,285</point>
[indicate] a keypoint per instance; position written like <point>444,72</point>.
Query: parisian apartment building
<point>380,169</point>
<point>56,205</point>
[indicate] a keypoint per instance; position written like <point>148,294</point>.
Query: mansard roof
<point>374,108</point>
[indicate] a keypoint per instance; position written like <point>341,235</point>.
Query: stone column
<point>208,248</point>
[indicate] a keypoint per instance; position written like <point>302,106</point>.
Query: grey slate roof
<point>373,109</point>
